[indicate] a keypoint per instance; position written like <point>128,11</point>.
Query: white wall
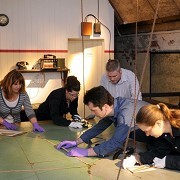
<point>38,27</point>
<point>46,24</point>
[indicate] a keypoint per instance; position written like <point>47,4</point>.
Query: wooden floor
<point>32,156</point>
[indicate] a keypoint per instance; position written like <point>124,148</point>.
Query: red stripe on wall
<point>107,51</point>
<point>40,51</point>
<point>32,51</point>
<point>131,51</point>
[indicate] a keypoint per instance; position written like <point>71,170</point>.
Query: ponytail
<point>172,115</point>
<point>149,114</point>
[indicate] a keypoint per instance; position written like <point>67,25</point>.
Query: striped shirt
<point>9,118</point>
<point>125,87</point>
<point>23,100</point>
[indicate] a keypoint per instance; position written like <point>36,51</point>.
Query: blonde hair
<point>149,114</point>
<point>11,78</point>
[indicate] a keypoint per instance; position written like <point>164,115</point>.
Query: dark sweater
<point>55,107</point>
<point>165,145</point>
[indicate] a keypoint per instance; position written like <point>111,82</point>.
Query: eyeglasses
<point>73,94</point>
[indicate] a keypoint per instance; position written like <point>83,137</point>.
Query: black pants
<point>23,116</point>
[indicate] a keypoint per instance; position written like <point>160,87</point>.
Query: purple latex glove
<point>9,125</point>
<point>78,152</point>
<point>66,144</point>
<point>38,128</point>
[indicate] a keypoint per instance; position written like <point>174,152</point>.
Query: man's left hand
<point>78,152</point>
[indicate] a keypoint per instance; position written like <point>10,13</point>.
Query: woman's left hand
<point>159,163</point>
<point>38,128</point>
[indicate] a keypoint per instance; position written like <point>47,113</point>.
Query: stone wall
<point>166,42</point>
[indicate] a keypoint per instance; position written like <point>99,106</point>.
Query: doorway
<point>88,67</point>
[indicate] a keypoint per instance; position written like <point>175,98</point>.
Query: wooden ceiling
<point>126,14</point>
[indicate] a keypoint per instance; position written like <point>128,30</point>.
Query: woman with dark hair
<point>12,97</point>
<point>163,124</point>
<point>60,102</point>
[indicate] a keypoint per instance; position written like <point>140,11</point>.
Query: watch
<point>4,20</point>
